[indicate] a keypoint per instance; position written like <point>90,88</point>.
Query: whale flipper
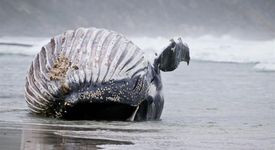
<point>172,55</point>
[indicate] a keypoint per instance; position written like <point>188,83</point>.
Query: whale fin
<point>172,55</point>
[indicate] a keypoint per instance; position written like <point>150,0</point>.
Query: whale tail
<point>172,55</point>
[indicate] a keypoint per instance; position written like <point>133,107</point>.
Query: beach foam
<point>206,48</point>
<point>35,45</point>
<point>221,49</point>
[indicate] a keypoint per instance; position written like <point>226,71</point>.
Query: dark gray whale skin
<point>152,105</point>
<point>96,74</point>
<point>172,55</point>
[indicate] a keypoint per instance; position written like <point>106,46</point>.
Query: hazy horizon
<point>245,19</point>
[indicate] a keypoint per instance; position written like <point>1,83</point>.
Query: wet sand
<point>207,106</point>
<point>29,137</point>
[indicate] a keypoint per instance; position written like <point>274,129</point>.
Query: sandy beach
<point>207,106</point>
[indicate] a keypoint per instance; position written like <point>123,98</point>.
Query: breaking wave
<point>222,49</point>
<point>206,48</point>
<point>21,45</point>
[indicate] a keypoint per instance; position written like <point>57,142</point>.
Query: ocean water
<point>223,100</point>
<point>206,48</point>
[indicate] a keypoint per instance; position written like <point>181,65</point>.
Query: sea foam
<point>205,48</point>
<point>221,49</point>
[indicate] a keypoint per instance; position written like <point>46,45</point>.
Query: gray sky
<point>253,19</point>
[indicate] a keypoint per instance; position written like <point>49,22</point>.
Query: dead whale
<point>97,74</point>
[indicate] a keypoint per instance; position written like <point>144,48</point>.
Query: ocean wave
<point>221,49</point>
<point>205,48</point>
<point>265,66</point>
<point>21,45</point>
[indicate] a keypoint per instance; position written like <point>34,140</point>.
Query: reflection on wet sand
<point>45,137</point>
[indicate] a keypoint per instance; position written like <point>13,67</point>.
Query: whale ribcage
<point>80,58</point>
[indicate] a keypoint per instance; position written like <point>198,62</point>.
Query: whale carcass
<point>97,74</point>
